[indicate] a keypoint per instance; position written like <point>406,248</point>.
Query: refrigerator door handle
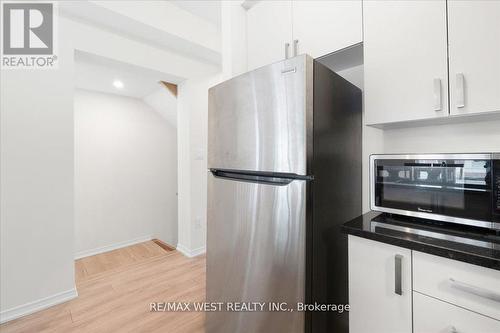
<point>278,179</point>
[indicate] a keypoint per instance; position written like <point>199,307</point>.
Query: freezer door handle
<point>271,178</point>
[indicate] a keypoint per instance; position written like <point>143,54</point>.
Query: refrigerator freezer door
<point>261,120</point>
<point>255,253</point>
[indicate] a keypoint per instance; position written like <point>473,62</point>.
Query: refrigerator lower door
<point>256,253</point>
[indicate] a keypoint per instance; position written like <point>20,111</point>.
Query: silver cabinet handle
<point>287,48</point>
<point>468,288</point>
<point>437,95</point>
<point>398,272</point>
<point>295,47</point>
<point>289,70</point>
<point>460,90</point>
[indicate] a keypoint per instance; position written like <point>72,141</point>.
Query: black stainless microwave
<point>456,188</point>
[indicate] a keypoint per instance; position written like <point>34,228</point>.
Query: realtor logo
<point>28,28</point>
<point>28,35</point>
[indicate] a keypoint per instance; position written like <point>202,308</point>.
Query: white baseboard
<point>190,252</point>
<point>41,304</point>
<point>116,246</point>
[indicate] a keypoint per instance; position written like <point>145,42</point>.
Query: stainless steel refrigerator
<point>284,158</point>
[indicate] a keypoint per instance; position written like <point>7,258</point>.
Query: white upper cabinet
<point>474,51</point>
<point>322,27</point>
<point>316,28</point>
<point>405,60</point>
<point>268,30</point>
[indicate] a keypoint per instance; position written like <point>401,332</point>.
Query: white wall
<point>470,137</point>
<point>125,172</point>
<point>36,193</point>
<point>234,38</point>
<point>192,120</point>
<point>165,103</point>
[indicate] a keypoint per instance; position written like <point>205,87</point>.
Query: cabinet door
<point>474,37</point>
<point>376,271</point>
<point>434,316</point>
<point>322,27</point>
<point>405,60</point>
<point>269,27</point>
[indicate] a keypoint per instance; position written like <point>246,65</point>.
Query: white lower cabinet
<point>379,287</point>
<point>469,286</point>
<point>390,285</point>
<point>431,315</point>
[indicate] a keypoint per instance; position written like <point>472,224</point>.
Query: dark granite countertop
<point>468,244</point>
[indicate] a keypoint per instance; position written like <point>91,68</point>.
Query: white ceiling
<point>97,73</point>
<point>104,15</point>
<point>206,9</point>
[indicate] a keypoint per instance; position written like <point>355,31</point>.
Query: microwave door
<point>452,189</point>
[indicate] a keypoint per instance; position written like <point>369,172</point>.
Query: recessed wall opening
<point>125,157</point>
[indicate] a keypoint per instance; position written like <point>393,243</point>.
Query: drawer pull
<point>488,294</point>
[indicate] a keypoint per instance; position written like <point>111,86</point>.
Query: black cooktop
<point>472,245</point>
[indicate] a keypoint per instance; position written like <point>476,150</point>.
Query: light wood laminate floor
<point>115,291</point>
